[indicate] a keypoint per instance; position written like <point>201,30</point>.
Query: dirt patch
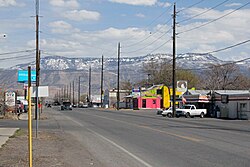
<point>50,149</point>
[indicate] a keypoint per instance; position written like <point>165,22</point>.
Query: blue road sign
<point>23,76</point>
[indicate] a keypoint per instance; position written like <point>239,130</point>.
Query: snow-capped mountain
<point>59,71</point>
<point>189,60</point>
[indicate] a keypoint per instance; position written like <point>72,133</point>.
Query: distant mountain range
<point>189,60</point>
<point>58,71</point>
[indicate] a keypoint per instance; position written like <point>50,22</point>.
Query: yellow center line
<point>149,128</point>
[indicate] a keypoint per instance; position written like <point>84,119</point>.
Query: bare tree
<point>161,73</point>
<point>223,77</point>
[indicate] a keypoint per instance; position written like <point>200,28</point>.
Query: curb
<point>6,133</point>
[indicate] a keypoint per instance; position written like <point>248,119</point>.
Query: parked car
<point>66,106</point>
<point>159,111</point>
<point>190,111</point>
<point>84,105</point>
<point>167,112</point>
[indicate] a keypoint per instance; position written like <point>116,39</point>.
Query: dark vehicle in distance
<point>66,106</point>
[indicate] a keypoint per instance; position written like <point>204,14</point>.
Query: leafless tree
<point>161,73</point>
<point>224,77</point>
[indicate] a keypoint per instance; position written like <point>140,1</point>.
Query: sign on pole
<point>182,86</point>
<point>23,76</point>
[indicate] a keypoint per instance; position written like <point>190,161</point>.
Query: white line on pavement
<point>113,143</point>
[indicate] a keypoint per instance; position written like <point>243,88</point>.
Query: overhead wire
<point>164,12</point>
<point>184,20</point>
<point>133,44</point>
<point>220,65</point>
<point>17,57</point>
<point>191,6</point>
<point>16,52</point>
<point>229,47</point>
<point>202,25</point>
<point>218,50</point>
<point>150,43</point>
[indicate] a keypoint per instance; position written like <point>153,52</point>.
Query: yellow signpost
<point>30,118</point>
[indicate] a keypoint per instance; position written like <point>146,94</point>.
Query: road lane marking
<point>112,142</point>
<point>157,130</point>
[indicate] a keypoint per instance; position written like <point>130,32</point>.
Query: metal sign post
<point>29,118</point>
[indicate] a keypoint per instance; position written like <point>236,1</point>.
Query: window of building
<point>243,106</point>
<point>154,101</point>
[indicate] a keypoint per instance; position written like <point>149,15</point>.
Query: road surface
<point>144,139</point>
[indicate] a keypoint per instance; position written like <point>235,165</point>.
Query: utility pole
<point>90,85</point>
<point>118,77</point>
<point>64,91</point>
<point>174,60</point>
<point>70,92</point>
<point>79,89</point>
<point>37,63</point>
<point>102,82</point>
<point>73,89</point>
<point>67,91</point>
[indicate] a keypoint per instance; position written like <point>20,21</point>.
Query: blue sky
<point>90,28</point>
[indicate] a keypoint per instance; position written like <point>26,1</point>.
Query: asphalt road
<point>141,138</point>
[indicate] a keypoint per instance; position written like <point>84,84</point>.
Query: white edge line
<point>113,143</point>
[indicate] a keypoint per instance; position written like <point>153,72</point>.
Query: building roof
<point>232,92</point>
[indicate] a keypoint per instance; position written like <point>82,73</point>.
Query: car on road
<point>83,105</point>
<point>190,111</point>
<point>66,106</point>
<point>167,112</point>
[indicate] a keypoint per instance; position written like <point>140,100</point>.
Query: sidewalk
<point>5,134</point>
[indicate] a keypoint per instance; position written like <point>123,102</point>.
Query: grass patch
<point>19,132</point>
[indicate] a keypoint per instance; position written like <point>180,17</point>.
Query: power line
<point>22,51</point>
<point>221,65</point>
<point>130,45</point>
<point>165,11</point>
<point>160,46</point>
<point>149,43</point>
<point>191,6</point>
<point>17,57</point>
<point>184,20</point>
<point>229,47</point>
<point>88,45</point>
<point>202,25</point>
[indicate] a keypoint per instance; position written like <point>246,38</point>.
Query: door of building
<point>144,103</point>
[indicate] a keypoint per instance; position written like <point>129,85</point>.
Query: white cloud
<point>233,4</point>
<point>73,4</point>
<point>136,2</point>
<point>80,15</point>
<point>164,4</point>
<point>140,15</point>
<point>62,27</point>
<point>224,32</point>
<point>6,3</point>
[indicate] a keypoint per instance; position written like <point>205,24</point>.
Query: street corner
<point>5,134</point>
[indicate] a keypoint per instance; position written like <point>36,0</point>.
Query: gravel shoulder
<point>51,148</point>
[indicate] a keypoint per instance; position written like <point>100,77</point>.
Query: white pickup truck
<point>190,110</point>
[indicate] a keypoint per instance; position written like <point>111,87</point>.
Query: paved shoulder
<point>5,133</point>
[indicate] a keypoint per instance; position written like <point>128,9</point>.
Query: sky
<point>92,28</point>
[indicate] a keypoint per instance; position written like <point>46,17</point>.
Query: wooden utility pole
<point>174,61</point>
<point>73,89</point>
<point>90,85</point>
<point>67,91</point>
<point>37,64</point>
<point>118,77</point>
<point>102,83</point>
<point>79,89</point>
<point>70,92</point>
